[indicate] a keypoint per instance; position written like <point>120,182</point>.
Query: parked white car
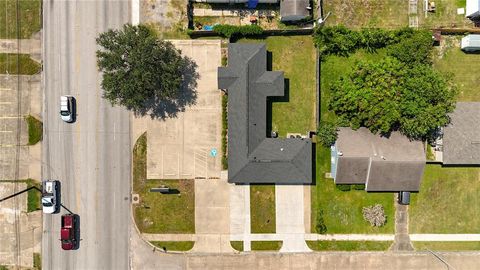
<point>67,108</point>
<point>50,198</point>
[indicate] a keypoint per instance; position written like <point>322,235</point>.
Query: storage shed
<point>294,10</point>
<point>471,43</point>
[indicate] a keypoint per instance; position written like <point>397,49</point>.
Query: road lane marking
<point>5,102</point>
<point>6,131</point>
<point>5,89</point>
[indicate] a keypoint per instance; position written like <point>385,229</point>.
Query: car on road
<point>67,108</point>
<point>50,196</point>
<point>68,233</point>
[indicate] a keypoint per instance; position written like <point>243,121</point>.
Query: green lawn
<point>35,130</point>
<point>266,245</point>
<point>464,68</point>
<point>26,66</point>
<point>445,15</point>
<point>342,210</point>
<point>156,212</point>
<point>349,245</point>
<point>360,13</point>
<point>237,245</point>
<point>33,195</point>
<point>29,13</point>
<point>262,208</point>
<point>446,246</point>
<point>297,112</point>
<point>37,261</point>
<point>448,201</point>
<point>174,245</point>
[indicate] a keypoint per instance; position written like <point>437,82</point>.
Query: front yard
<point>156,212</point>
<point>262,208</point>
<point>448,201</point>
<point>29,18</point>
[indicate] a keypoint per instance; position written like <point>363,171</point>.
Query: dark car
<point>68,232</point>
<point>404,197</point>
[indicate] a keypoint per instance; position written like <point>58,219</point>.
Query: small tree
<point>143,73</point>
<point>375,215</point>
<point>327,133</point>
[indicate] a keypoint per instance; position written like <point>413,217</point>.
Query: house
<point>252,156</point>
<point>294,10</point>
<point>471,43</point>
<point>461,138</point>
<point>383,164</point>
<point>472,10</point>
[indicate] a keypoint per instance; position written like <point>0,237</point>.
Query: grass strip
<point>349,245</point>
<point>174,245</point>
<point>237,245</point>
<point>35,130</point>
<point>266,245</point>
<point>22,64</point>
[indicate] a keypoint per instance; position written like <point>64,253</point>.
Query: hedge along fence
<point>233,31</point>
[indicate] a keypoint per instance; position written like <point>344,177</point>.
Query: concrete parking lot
<point>188,146</point>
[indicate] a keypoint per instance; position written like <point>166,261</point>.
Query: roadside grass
<point>448,201</point>
<point>174,245</point>
<point>295,56</point>
<point>463,67</point>
<point>359,13</point>
<point>445,15</point>
<point>29,14</point>
<point>237,245</point>
<point>35,130</point>
<point>349,245</point>
<point>37,261</point>
<point>446,246</point>
<point>3,267</point>
<point>341,211</point>
<point>266,245</point>
<point>262,208</point>
<point>33,196</point>
<point>156,212</point>
<point>26,66</point>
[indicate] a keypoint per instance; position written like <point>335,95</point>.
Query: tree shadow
<point>161,108</point>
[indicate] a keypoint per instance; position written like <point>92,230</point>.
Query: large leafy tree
<point>389,95</point>
<point>143,73</point>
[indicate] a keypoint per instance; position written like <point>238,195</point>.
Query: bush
<point>414,50</point>
<point>224,131</point>
<point>320,227</point>
<point>375,215</point>
<point>228,31</point>
<point>359,187</point>
<point>327,133</point>
<point>343,187</point>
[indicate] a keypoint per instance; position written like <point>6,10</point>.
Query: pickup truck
<point>50,203</point>
<point>68,232</point>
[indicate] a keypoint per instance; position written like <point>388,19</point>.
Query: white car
<point>50,201</point>
<point>67,108</point>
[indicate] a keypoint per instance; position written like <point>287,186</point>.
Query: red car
<point>68,232</point>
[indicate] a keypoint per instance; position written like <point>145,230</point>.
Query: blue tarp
<point>208,27</point>
<point>252,3</point>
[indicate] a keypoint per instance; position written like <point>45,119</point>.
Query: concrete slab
<point>181,147</point>
<point>9,163</point>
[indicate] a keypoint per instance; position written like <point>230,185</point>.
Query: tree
<point>375,215</point>
<point>327,133</point>
<point>414,50</point>
<point>386,95</point>
<point>143,73</point>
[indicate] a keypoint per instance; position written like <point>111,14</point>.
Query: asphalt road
<point>90,157</point>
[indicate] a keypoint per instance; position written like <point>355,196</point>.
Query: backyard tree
<point>327,133</point>
<point>143,73</point>
<point>417,49</point>
<point>386,95</point>
<point>375,215</point>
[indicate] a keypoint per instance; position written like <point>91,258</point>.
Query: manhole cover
<point>135,198</point>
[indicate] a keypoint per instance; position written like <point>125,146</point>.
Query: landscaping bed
<point>448,201</point>
<point>262,208</point>
<point>156,212</point>
<point>349,245</point>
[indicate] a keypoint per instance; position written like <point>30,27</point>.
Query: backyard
<point>463,67</point>
<point>157,212</point>
<point>448,201</point>
<point>445,15</point>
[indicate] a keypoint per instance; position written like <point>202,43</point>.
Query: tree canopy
<point>388,95</point>
<point>143,73</point>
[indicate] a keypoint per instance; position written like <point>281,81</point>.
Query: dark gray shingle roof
<point>383,164</point>
<point>252,157</point>
<point>294,10</point>
<point>461,138</point>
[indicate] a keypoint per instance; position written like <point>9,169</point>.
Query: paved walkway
<point>28,46</point>
<point>240,212</point>
<point>402,240</point>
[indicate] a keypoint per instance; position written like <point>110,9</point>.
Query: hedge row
<point>228,30</point>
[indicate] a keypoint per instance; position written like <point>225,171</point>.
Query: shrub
<point>228,31</point>
<point>414,50</point>
<point>359,187</point>
<point>320,227</point>
<point>343,187</point>
<point>224,131</point>
<point>327,133</point>
<point>375,215</point>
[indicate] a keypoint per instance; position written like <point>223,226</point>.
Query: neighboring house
<point>471,43</point>
<point>461,138</point>
<point>472,10</point>
<point>294,10</point>
<point>252,156</point>
<point>383,164</point>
